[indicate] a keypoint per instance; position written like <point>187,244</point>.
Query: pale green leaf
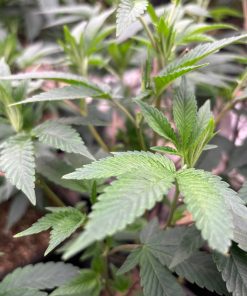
<point>157,121</point>
<point>62,137</point>
<point>204,195</point>
<point>121,163</point>
<point>184,112</point>
<point>187,62</point>
<point>234,271</point>
<point>86,283</point>
<point>165,149</point>
<point>165,78</point>
<point>200,52</point>
<point>129,11</point>
<point>63,93</point>
<point>126,199</point>
<point>17,162</point>
<point>156,279</point>
<point>203,117</point>
<point>56,76</point>
<point>39,276</point>
<point>243,192</point>
<point>238,211</point>
<point>63,221</point>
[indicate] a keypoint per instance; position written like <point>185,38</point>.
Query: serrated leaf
<point>126,199</point>
<point>17,162</point>
<point>165,149</point>
<point>187,63</point>
<point>121,163</point>
<point>200,52</point>
<point>165,244</point>
<point>203,117</point>
<point>62,137</point>
<point>86,283</point>
<point>243,192</point>
<point>205,195</point>
<point>131,261</point>
<point>158,122</point>
<point>63,93</point>
<point>184,112</point>
<point>200,269</point>
<point>156,279</point>
<point>39,276</point>
<point>162,244</point>
<point>165,78</point>
<point>56,76</point>
<point>189,243</point>
<point>199,144</point>
<point>63,222</point>
<point>239,215</point>
<point>234,271</point>
<point>128,12</point>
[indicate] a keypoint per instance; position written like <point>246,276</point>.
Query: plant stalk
<point>173,207</point>
<point>50,194</point>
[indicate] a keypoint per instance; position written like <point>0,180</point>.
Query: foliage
<point>77,135</point>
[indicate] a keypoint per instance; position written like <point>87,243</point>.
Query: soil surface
<point>20,251</point>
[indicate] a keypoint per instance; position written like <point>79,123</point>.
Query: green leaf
<point>121,163</point>
<point>165,245</point>
<point>64,222</point>
<point>200,269</point>
<point>56,76</point>
<point>243,192</point>
<point>187,63</point>
<point>86,283</point>
<point>198,146</point>
<point>205,195</point>
<point>17,162</point>
<point>184,112</point>
<point>165,149</point>
<point>62,137</point>
<point>131,261</point>
<point>200,52</point>
<point>165,78</point>
<point>126,199</point>
<point>162,244</point>
<point>156,279</point>
<point>203,117</point>
<point>63,93</point>
<point>239,215</point>
<point>234,271</point>
<point>190,242</point>
<point>39,276</point>
<point>129,11</point>
<point>157,121</point>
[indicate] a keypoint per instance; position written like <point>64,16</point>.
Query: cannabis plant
<point>136,199</point>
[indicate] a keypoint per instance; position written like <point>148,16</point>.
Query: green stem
<point>141,138</point>
<point>56,201</point>
<point>98,138</point>
<point>92,129</point>
<point>124,110</point>
<point>173,207</point>
<point>148,31</point>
